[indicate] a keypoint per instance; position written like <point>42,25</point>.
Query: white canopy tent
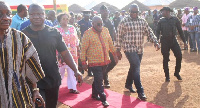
<point>157,2</point>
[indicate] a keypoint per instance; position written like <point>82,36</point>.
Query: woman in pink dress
<point>72,42</point>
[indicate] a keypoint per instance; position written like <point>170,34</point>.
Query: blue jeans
<point>195,40</point>
<point>134,71</point>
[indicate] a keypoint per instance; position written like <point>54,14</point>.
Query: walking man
<point>47,41</point>
<point>96,44</point>
<point>167,26</point>
<point>130,36</point>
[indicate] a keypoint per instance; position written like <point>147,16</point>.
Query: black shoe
<point>96,97</point>
<point>193,50</point>
<point>130,89</point>
<point>178,76</point>
<point>106,85</point>
<point>167,79</point>
<point>142,96</point>
<point>90,74</point>
<point>105,103</point>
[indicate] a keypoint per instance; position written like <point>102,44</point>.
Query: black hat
<point>103,7</point>
<point>167,9</point>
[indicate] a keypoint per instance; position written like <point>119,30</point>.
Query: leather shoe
<point>105,103</point>
<point>178,76</point>
<point>96,97</point>
<point>130,89</point>
<point>142,96</point>
<point>90,74</point>
<point>167,79</point>
<point>107,85</point>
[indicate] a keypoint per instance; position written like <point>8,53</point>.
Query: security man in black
<point>167,26</point>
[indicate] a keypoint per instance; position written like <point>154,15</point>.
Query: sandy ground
<point>175,94</point>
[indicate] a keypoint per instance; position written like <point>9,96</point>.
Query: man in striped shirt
<point>20,67</point>
<point>193,23</point>
<point>130,36</point>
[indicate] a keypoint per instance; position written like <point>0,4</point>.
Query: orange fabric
<point>96,46</point>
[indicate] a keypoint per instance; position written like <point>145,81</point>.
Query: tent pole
<point>54,5</point>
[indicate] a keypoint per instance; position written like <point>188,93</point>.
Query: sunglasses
<point>99,24</point>
<point>134,12</point>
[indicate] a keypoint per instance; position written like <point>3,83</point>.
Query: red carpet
<point>84,100</point>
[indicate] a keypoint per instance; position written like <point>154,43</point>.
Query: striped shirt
<point>19,67</point>
<point>193,20</point>
<point>96,46</point>
<point>131,34</point>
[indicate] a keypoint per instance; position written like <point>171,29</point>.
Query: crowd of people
<point>36,51</point>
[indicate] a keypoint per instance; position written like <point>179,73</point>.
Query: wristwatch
<point>35,89</point>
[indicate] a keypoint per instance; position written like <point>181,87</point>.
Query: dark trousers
<point>134,71</point>
<point>109,68</point>
<point>50,97</point>
<point>165,50</point>
<point>97,86</point>
<point>188,38</point>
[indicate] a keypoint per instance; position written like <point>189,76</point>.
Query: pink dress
<point>71,40</point>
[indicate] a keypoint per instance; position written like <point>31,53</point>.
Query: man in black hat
<point>108,24</point>
<point>167,26</point>
<point>84,25</point>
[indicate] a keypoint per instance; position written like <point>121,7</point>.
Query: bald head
<point>97,23</point>
<point>134,6</point>
<point>96,19</point>
<point>134,10</point>
<point>51,15</point>
<point>35,6</point>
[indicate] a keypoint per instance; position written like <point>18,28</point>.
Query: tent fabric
<point>142,7</point>
<point>184,3</point>
<point>111,8</point>
<point>158,2</point>
<point>75,8</point>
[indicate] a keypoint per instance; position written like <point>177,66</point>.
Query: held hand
<point>79,78</point>
<point>119,55</point>
<point>85,67</point>
<point>37,98</point>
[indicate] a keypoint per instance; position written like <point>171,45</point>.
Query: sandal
<point>74,91</point>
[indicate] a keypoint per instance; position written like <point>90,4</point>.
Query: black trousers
<point>188,38</point>
<point>97,86</point>
<point>166,45</point>
<point>50,97</point>
<point>109,68</point>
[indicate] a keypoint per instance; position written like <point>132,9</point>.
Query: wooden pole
<point>54,5</point>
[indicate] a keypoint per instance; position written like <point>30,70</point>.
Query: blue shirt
<point>193,20</point>
<point>84,25</point>
<point>16,21</point>
<point>27,23</point>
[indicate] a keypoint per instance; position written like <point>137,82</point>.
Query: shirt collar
<point>93,29</point>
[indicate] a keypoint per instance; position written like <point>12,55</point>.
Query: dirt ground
<point>175,94</point>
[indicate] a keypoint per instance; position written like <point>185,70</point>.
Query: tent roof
<point>75,8</point>
<point>184,3</point>
<point>141,6</point>
<point>157,2</point>
<point>28,2</point>
<point>111,8</point>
